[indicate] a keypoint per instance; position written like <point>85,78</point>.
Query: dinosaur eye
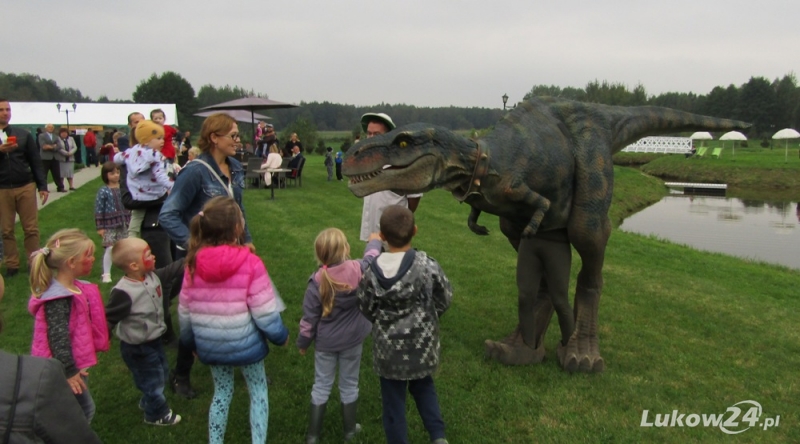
<point>403,144</point>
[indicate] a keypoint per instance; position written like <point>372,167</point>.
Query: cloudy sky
<point>425,53</point>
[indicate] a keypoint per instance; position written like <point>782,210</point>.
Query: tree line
<point>769,105</point>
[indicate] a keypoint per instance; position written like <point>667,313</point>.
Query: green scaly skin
<point>549,168</point>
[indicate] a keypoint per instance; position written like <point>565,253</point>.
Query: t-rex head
<point>411,159</point>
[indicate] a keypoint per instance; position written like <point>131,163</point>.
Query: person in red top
<point>158,116</point>
<point>90,142</point>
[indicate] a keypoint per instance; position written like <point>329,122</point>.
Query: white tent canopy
<point>107,114</point>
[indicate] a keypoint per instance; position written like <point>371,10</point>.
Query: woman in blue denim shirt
<point>214,173</point>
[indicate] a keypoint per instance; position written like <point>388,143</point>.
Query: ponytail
<point>61,246</point>
<point>330,248</point>
<point>328,287</point>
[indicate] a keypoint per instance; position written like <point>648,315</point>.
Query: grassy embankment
<point>745,171</point>
<point>679,329</point>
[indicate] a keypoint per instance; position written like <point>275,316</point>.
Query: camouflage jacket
<point>405,311</point>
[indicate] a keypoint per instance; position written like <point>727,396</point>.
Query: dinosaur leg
<point>582,351</point>
<point>557,264</point>
<point>524,345</point>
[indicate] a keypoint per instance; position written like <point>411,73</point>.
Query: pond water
<point>753,229</point>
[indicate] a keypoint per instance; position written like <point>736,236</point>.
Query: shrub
<point>764,143</point>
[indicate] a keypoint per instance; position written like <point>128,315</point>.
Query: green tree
<point>787,101</point>
<point>320,147</point>
<point>757,105</point>
<point>32,88</point>
<point>209,95</point>
<point>169,87</point>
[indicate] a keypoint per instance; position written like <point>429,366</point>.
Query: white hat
<point>366,118</point>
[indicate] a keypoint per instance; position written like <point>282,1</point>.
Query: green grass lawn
<point>679,330</point>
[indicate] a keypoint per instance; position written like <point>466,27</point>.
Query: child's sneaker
<point>106,278</point>
<point>167,420</point>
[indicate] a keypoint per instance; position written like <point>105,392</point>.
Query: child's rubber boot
<point>349,415</point>
<point>181,385</point>
<point>315,423</point>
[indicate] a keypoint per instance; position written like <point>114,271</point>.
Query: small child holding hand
<point>331,318</point>
<point>136,308</point>
<point>404,293</point>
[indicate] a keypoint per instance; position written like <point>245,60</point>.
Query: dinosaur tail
<point>633,123</point>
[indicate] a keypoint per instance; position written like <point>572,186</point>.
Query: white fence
<point>666,145</point>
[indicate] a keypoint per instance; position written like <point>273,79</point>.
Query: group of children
<point>229,309</point>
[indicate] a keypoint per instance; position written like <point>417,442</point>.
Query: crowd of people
<point>183,232</point>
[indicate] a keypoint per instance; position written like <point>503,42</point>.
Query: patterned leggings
<point>256,380</point>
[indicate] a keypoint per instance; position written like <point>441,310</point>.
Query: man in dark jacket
<point>21,174</point>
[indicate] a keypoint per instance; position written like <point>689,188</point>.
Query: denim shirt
<point>194,186</point>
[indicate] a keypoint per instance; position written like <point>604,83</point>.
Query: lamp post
<point>505,100</point>
<point>66,110</point>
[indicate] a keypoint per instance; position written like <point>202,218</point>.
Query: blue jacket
<point>194,186</point>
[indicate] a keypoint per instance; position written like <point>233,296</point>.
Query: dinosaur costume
<point>546,170</point>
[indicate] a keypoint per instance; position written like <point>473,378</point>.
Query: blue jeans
<point>86,401</point>
<point>393,396</point>
<point>150,371</point>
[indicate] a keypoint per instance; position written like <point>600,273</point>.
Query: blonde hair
<point>330,248</point>
<point>193,151</point>
<point>61,247</point>
<point>219,223</point>
<point>273,148</point>
<point>126,251</point>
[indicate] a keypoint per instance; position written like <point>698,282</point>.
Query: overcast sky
<point>424,53</point>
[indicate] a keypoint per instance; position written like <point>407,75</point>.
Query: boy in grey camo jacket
<point>403,293</point>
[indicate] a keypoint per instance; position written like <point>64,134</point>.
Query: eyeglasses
<point>234,136</point>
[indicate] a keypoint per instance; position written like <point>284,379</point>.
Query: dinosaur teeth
<point>359,179</point>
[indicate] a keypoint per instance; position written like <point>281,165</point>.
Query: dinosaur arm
<point>524,196</point>
<point>472,222</point>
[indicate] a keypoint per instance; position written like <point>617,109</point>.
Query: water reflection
<point>753,229</point>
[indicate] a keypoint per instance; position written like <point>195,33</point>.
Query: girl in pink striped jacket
<point>228,308</point>
<point>70,320</point>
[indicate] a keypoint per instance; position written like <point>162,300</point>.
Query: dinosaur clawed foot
<point>513,351</point>
<point>572,360</point>
<point>479,229</point>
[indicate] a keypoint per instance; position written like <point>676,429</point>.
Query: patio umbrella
<point>251,104</point>
<point>786,134</point>
<point>238,115</point>
<point>733,136</point>
<point>701,135</point>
